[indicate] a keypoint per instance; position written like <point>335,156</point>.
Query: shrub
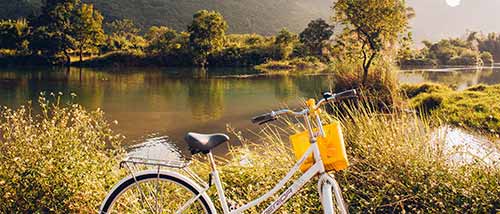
<point>57,161</point>
<point>466,58</point>
<point>411,91</point>
<point>487,58</point>
<point>380,88</point>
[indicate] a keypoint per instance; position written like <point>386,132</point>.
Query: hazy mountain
<point>243,16</point>
<point>434,20</point>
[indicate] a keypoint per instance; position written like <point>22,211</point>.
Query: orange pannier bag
<point>332,148</point>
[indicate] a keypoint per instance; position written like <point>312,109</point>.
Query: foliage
<point>308,64</point>
<point>52,34</point>
<point>165,41</point>
<point>476,107</point>
<point>315,35</point>
<point>206,35</point>
<point>284,44</point>
<point>376,24</point>
<point>57,161</point>
<point>411,91</point>
<point>14,35</point>
<point>124,36</point>
<point>87,32</point>
<point>487,58</point>
<point>380,87</point>
<point>263,17</point>
<point>489,43</point>
<point>453,51</point>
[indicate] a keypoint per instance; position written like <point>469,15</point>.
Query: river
<point>162,104</point>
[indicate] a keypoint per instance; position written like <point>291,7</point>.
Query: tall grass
<point>56,161</point>
<point>397,165</point>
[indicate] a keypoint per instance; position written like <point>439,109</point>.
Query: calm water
<point>151,104</point>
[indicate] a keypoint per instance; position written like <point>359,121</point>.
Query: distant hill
<point>244,16</point>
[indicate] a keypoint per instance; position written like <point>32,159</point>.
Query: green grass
<point>309,65</point>
<point>477,107</point>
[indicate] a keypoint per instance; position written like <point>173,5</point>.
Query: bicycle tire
<point>142,177</point>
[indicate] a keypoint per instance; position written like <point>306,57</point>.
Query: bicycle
<point>148,191</point>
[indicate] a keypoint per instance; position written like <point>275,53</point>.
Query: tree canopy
<point>207,32</point>
<point>314,36</point>
<point>87,32</point>
<point>376,24</point>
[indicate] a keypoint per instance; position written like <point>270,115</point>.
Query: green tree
<point>315,35</point>
<point>123,27</point>
<point>377,24</point>
<point>124,36</point>
<point>163,40</point>
<point>284,43</point>
<point>53,28</point>
<point>490,43</point>
<point>14,34</point>
<point>207,33</point>
<point>87,32</point>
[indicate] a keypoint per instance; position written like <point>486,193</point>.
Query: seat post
<point>218,183</point>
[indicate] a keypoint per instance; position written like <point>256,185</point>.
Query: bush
<point>466,58</point>
<point>57,161</point>
<point>487,58</point>
<point>410,91</point>
<point>380,88</point>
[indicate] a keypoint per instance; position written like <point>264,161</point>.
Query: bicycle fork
<point>328,188</point>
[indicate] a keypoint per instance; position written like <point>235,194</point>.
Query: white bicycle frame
<point>326,182</point>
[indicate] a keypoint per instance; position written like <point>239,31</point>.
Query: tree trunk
<point>367,62</point>
<point>68,58</point>
<point>81,56</point>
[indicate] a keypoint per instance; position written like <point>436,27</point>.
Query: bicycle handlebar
<point>327,97</point>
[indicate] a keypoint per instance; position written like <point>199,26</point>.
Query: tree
<point>162,40</point>
<point>14,34</point>
<point>207,33</point>
<point>124,36</point>
<point>377,24</point>
<point>315,35</point>
<point>87,32</point>
<point>53,28</point>
<point>285,41</point>
<point>124,28</point>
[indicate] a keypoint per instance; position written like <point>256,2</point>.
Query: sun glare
<point>453,3</point>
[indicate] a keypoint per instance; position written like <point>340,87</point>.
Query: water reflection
<point>461,78</point>
<point>172,101</point>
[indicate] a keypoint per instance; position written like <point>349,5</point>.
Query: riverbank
<point>476,107</point>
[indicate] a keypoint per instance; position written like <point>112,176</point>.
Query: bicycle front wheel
<point>153,192</point>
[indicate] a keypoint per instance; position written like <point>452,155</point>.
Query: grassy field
<point>477,107</point>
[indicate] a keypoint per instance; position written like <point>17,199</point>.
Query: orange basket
<point>332,148</point>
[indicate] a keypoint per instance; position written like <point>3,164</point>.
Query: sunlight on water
<point>156,148</point>
<point>464,147</point>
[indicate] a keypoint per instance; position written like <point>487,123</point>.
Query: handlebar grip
<point>346,94</point>
<point>265,118</point>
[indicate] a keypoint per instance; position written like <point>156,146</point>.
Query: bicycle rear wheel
<point>153,192</point>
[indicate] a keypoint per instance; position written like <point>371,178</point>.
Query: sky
<point>436,19</point>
